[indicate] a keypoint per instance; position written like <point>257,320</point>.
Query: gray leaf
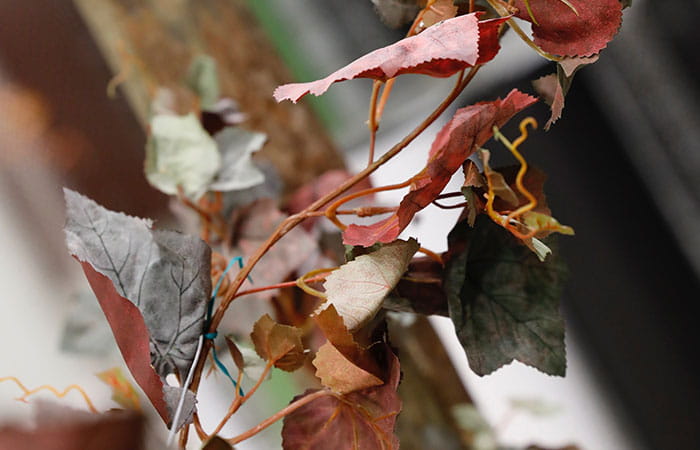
<point>165,274</point>
<point>236,146</point>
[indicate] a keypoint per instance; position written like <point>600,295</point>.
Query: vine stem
<point>238,401</point>
<point>278,415</point>
<point>290,222</point>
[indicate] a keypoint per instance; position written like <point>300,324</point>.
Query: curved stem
<point>290,222</point>
<point>331,210</point>
<point>278,415</point>
<point>238,401</point>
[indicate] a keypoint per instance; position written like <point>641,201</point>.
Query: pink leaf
<point>440,51</point>
<point>468,130</point>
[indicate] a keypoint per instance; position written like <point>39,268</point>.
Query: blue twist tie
<point>210,311</point>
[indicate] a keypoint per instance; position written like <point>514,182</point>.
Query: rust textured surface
<point>151,43</point>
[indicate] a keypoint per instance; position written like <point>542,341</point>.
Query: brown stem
<point>330,211</point>
<point>372,123</point>
<point>291,221</point>
<point>278,415</point>
<point>238,401</point>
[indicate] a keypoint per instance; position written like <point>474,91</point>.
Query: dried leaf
<point>339,373</point>
<point>238,171</point>
<point>543,223</point>
<point>279,344</point>
<point>500,187</point>
<point>122,391</point>
<point>439,51</point>
<point>180,153</point>
<point>153,287</point>
<point>561,31</point>
<point>472,176</point>
<point>439,11</point>
<point>358,287</point>
<point>236,354</point>
<point>333,327</point>
<point>361,420</point>
<point>549,89</point>
<point>468,130</point>
<point>503,302</point>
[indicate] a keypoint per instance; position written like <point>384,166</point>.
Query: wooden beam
<point>151,43</point>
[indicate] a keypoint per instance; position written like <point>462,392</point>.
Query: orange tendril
<point>514,216</point>
<point>53,390</point>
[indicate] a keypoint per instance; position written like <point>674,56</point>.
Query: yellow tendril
<point>301,282</point>
<point>53,390</point>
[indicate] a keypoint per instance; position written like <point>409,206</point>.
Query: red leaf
<point>562,32</point>
<point>361,420</point>
<point>439,51</point>
<point>468,130</point>
<point>132,337</point>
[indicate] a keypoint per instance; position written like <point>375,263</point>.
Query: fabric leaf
<point>561,31</point>
<point>341,363</point>
<point>237,168</point>
<point>153,287</point>
<point>360,420</point>
<point>503,301</point>
<point>358,287</point>
<point>203,79</point>
<point>468,130</point>
<point>279,344</point>
<point>179,152</point>
<point>440,51</point>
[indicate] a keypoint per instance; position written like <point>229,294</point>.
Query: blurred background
<point>623,168</point>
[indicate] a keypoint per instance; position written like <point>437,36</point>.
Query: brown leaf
<point>279,344</point>
<point>340,374</point>
<point>333,327</point>
<point>472,176</point>
<point>500,188</point>
<point>550,90</point>
<point>217,443</point>
<point>468,130</point>
<point>439,51</point>
<point>361,420</point>
<point>235,353</point>
<point>440,10</point>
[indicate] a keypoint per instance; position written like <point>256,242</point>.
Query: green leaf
<point>203,80</point>
<point>358,287</point>
<point>179,152</point>
<point>503,301</point>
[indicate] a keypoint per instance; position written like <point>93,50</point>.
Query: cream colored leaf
<point>358,288</point>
